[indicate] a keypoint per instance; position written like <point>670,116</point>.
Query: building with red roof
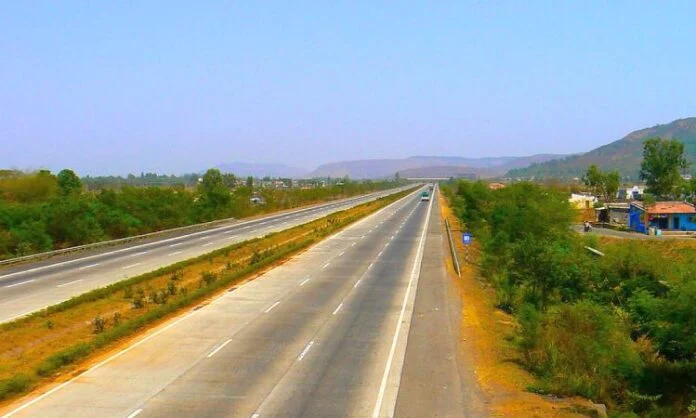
<point>668,216</point>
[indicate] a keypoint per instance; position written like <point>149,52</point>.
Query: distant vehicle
<point>425,196</point>
<point>430,186</point>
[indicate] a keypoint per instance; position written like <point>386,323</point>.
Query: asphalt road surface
<point>323,335</point>
<point>27,288</point>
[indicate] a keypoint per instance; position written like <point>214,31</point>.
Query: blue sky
<point>118,87</point>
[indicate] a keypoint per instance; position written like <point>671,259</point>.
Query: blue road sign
<point>466,238</point>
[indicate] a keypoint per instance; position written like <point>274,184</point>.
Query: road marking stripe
<point>415,272</point>
<point>220,347</point>
<point>305,351</point>
<point>370,266</point>
<point>69,283</point>
<point>137,254</point>
<point>338,309</point>
<point>342,252</point>
<point>303,282</point>
<point>135,413</point>
<point>353,244</point>
<point>357,283</point>
<point>20,283</point>
<point>175,253</point>
<point>175,245</point>
<point>326,265</point>
<point>88,267</point>
<point>380,253</point>
<point>131,266</point>
<point>207,244</point>
<point>270,308</point>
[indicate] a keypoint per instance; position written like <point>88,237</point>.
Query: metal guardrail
<point>187,228</point>
<point>453,249</point>
<point>48,254</point>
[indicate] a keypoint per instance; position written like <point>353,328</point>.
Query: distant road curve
<point>27,288</point>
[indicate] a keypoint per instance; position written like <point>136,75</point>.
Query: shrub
<point>208,277</point>
<point>99,324</point>
<point>138,302</point>
<point>117,318</point>
<point>16,384</point>
<point>580,349</point>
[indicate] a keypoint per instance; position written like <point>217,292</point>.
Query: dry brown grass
<point>485,333</point>
<point>25,344</point>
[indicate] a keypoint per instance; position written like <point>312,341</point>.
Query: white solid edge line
<point>414,273</point>
<point>220,347</point>
<point>270,308</point>
<point>340,305</point>
<point>135,413</point>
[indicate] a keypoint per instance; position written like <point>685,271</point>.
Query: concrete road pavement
<point>322,335</point>
<point>438,379</point>
<point>28,288</point>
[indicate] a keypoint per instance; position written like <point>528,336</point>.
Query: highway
<point>27,288</point>
<point>323,335</point>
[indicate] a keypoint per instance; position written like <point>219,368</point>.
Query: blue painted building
<point>667,216</point>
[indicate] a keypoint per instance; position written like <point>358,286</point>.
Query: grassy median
<point>56,340</point>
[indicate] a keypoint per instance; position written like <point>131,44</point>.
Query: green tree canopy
<point>68,182</point>
<point>663,160</point>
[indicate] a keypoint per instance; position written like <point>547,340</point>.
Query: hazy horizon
<point>171,88</point>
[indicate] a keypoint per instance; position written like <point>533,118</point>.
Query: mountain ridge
<point>624,154</point>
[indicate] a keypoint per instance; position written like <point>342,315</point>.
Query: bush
<point>63,358</point>
<point>208,277</point>
<point>16,384</point>
<point>99,324</point>
<point>580,349</point>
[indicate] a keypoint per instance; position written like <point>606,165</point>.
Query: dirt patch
<point>485,334</point>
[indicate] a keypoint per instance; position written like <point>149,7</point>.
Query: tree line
<point>661,168</point>
<point>619,329</point>
<point>42,211</point>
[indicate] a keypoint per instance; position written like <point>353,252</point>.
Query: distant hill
<point>261,170</point>
<point>484,167</point>
<point>624,155</point>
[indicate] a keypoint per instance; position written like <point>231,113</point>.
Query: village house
<point>667,216</point>
<point>615,213</point>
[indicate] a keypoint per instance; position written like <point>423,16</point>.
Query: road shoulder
<point>437,380</point>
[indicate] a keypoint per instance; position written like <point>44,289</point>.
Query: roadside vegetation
<point>618,329</point>
<point>42,212</point>
<point>52,342</point>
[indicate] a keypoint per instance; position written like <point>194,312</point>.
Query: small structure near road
<point>665,216</point>
<point>615,213</point>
